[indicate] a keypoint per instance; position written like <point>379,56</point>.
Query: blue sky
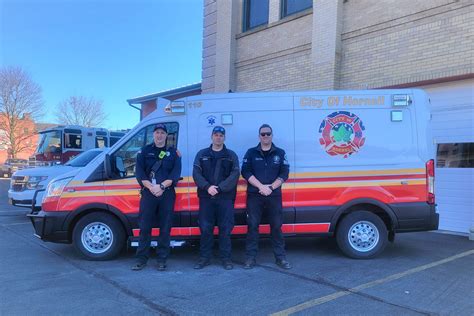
<point>112,50</point>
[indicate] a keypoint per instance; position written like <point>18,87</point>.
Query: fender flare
<point>341,209</point>
<point>86,208</point>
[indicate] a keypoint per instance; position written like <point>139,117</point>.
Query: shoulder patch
<point>178,153</point>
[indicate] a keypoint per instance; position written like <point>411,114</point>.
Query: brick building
<point>268,45</point>
<point>25,133</point>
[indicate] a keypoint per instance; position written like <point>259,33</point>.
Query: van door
<point>241,134</point>
<point>123,190</point>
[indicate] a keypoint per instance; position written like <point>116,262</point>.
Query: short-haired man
<point>216,173</point>
<point>158,170</point>
<point>265,168</point>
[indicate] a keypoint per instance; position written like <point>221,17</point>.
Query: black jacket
<point>170,168</point>
<point>221,169</point>
<point>265,169</point>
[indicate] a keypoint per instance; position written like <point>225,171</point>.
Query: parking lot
<point>421,273</point>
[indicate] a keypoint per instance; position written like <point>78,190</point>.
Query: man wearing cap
<point>216,173</point>
<point>158,169</point>
<point>265,168</point>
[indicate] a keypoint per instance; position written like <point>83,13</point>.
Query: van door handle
<point>71,190</point>
<point>404,182</point>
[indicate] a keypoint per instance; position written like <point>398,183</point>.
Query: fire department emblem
<point>341,134</point>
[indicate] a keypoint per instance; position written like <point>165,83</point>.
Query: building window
<point>255,13</point>
<point>455,155</point>
<point>293,6</point>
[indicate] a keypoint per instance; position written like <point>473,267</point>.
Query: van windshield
<point>83,159</point>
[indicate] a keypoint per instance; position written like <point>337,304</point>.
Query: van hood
<point>50,172</point>
<point>72,173</point>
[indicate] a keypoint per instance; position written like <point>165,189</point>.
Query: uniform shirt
<point>170,168</point>
<point>266,167</point>
<point>219,168</point>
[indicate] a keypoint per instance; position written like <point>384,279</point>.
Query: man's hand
<point>212,190</point>
<point>156,190</point>
<point>265,190</point>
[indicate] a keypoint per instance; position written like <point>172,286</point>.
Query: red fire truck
<point>61,143</point>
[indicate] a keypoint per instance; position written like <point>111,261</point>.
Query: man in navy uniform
<point>265,168</point>
<point>158,170</point>
<point>216,173</point>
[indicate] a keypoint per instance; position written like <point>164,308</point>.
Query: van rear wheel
<point>99,236</point>
<point>362,235</point>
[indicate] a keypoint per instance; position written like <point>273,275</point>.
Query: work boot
<point>227,264</point>
<point>249,263</point>
<point>139,265</point>
<point>202,262</point>
<point>282,263</point>
<point>161,265</point>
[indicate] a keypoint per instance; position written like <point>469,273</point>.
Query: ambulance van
<point>361,170</point>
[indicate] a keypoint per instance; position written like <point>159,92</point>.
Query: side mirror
<point>120,166</point>
<point>107,167</point>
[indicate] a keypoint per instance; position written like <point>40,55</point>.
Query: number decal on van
<point>341,134</point>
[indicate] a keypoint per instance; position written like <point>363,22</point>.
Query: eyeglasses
<point>265,134</point>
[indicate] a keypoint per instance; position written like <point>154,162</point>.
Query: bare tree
<point>21,103</point>
<point>80,110</point>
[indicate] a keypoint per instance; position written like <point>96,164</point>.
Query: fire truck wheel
<point>99,236</point>
<point>361,235</point>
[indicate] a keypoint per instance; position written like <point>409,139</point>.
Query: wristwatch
<point>271,187</point>
<point>162,186</point>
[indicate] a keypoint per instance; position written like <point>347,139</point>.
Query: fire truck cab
<point>59,144</point>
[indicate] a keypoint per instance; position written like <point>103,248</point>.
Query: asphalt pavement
<point>424,273</point>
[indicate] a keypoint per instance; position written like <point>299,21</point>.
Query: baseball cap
<point>160,126</point>
<point>218,129</point>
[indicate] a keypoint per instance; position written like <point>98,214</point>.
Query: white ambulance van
<point>361,170</point>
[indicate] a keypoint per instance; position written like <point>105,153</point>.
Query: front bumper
<point>49,226</point>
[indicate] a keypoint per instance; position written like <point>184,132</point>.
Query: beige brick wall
<point>361,14</point>
<point>260,56</point>
<point>432,44</point>
<point>352,44</point>
<point>209,46</point>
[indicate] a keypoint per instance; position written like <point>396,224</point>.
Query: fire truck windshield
<point>49,142</point>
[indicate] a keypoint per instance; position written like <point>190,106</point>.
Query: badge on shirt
<point>276,159</point>
<point>162,154</point>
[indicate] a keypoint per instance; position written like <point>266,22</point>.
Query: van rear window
<point>455,155</point>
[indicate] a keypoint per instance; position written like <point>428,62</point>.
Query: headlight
<point>33,182</point>
<point>56,188</point>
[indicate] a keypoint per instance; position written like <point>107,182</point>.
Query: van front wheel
<point>98,236</point>
<point>362,235</point>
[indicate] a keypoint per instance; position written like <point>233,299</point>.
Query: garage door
<point>452,109</point>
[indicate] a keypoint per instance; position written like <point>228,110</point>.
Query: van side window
<point>124,159</point>
<point>172,140</point>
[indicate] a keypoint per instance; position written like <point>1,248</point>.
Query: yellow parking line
<point>331,297</point>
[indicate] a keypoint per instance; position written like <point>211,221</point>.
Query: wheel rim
<point>363,236</point>
<point>97,237</point>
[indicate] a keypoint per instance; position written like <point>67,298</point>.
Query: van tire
<point>361,235</point>
<point>99,236</point>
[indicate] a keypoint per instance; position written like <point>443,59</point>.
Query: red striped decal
<point>242,229</point>
<point>243,182</point>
